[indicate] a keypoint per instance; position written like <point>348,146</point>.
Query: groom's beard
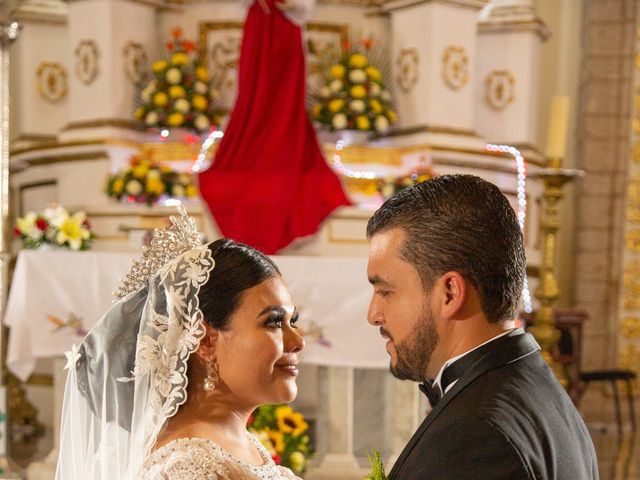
<point>414,353</point>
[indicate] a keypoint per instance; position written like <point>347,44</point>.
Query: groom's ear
<point>207,348</point>
<point>451,295</point>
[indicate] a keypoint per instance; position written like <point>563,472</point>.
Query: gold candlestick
<point>544,328</point>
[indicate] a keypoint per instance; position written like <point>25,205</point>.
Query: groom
<point>447,263</point>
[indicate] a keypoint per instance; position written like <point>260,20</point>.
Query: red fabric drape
<point>269,183</point>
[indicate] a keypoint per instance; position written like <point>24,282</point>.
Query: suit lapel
<point>508,349</point>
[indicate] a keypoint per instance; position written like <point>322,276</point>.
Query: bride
<point>164,384</point>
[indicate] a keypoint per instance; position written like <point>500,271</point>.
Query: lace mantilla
<point>166,244</point>
<point>173,330</point>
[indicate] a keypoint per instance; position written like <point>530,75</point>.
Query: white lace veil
<point>129,375</point>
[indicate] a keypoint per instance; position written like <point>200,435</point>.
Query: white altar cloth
<point>51,287</point>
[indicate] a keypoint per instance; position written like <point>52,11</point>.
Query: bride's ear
<point>207,348</point>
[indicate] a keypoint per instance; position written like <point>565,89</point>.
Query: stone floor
<point>618,455</point>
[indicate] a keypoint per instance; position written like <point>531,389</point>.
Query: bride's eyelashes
<point>276,319</point>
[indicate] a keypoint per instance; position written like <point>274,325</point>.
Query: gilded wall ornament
<point>136,63</point>
<point>631,286</point>
<point>455,67</point>
<point>633,205</point>
<point>500,86</point>
<point>630,327</point>
<point>407,68</point>
<point>633,240</point>
<point>52,81</point>
<point>87,56</point>
<point>630,358</point>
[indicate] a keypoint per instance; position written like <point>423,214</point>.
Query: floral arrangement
<point>283,432</point>
<point>181,94</point>
<point>392,185</point>
<point>354,96</point>
<point>144,181</point>
<point>55,226</point>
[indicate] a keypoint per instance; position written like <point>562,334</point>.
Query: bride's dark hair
<point>238,267</point>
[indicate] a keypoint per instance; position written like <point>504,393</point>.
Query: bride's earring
<point>212,378</point>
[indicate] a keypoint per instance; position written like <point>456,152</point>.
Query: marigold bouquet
<point>181,94</point>
<point>283,432</point>
<point>55,226</point>
<point>144,181</point>
<point>354,96</point>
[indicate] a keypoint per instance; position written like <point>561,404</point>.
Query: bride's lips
<point>288,368</point>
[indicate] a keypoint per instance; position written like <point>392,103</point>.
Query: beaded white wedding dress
<point>200,459</point>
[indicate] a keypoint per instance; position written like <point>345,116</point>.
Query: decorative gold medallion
<point>407,69</point>
<point>136,63</point>
<point>455,67</point>
<point>52,81</point>
<point>87,55</point>
<point>499,89</point>
<point>633,240</point>
<point>630,327</point>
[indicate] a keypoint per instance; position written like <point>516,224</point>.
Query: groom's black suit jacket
<point>505,418</point>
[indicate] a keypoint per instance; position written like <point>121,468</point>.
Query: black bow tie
<point>453,372</point>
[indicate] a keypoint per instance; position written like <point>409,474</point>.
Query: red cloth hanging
<point>269,183</point>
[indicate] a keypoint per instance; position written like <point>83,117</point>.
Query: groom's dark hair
<point>465,224</point>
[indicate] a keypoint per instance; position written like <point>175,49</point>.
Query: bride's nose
<point>293,341</point>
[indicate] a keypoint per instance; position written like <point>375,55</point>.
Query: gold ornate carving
<point>630,357</point>
<point>455,67</point>
<point>500,88</point>
<point>52,81</point>
<point>630,327</point>
<point>631,286</point>
<point>633,206</point>
<point>407,68</point>
<point>136,62</point>
<point>87,56</point>
<point>633,240</point>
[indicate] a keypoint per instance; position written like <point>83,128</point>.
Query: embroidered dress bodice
<point>201,459</point>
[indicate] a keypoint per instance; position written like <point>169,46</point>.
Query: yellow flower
<point>277,439</point>
<point>375,105</point>
<point>160,99</point>
<point>176,119</point>
<point>200,102</point>
<point>155,186</point>
<point>393,116</point>
<point>72,231</point>
<point>315,110</point>
<point>290,421</point>
<point>139,113</point>
<point>160,66</point>
<point>297,461</point>
<point>140,171</point>
<point>191,191</point>
<point>358,91</point>
<point>363,123</point>
<point>373,73</point>
<point>202,73</point>
<point>179,58</point>
<point>335,105</point>
<point>176,91</point>
<point>358,60</point>
<point>117,186</point>
<point>338,70</point>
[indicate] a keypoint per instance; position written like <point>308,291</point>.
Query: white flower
<point>27,226</point>
<point>200,87</point>
<point>133,187</point>
<point>386,96</point>
<point>73,231</point>
<point>174,76</point>
<point>381,124</point>
<point>177,191</point>
<point>339,121</point>
<point>324,92</point>
<point>357,106</point>
<point>151,119</point>
<point>357,76</point>
<point>72,357</point>
<point>148,91</point>
<point>55,215</point>
<point>153,174</point>
<point>335,85</point>
<point>214,93</point>
<point>374,89</point>
<point>201,122</point>
<point>182,105</point>
<point>387,190</point>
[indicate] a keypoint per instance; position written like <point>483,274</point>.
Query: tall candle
<point>558,120</point>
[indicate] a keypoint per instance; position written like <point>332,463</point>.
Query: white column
<point>335,426</point>
<point>46,469</point>
<point>401,417</point>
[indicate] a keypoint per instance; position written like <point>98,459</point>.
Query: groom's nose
<point>374,315</point>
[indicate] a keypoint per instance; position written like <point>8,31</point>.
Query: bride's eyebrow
<point>277,309</point>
